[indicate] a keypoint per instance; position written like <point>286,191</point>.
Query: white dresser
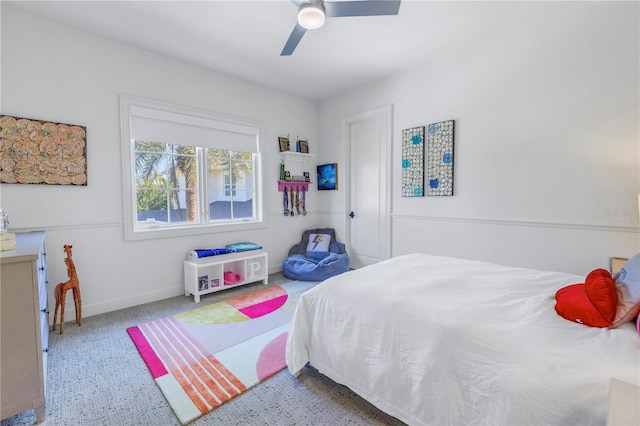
<point>24,326</point>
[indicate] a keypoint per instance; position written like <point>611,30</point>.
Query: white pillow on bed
<point>628,288</point>
<point>319,242</point>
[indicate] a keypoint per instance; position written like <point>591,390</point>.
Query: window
<point>229,187</point>
<point>188,171</point>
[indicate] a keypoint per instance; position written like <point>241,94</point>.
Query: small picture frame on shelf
<point>203,283</point>
<point>287,176</point>
<point>215,282</point>
<point>306,176</point>
<point>303,146</point>
<point>283,144</point>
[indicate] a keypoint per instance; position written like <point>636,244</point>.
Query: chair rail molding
<point>508,222</point>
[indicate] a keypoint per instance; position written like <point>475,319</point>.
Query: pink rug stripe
<point>197,348</point>
<point>156,367</point>
<point>264,308</point>
<point>179,347</point>
<point>160,344</point>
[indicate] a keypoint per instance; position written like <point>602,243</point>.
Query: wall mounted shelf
<point>293,156</point>
<point>282,184</point>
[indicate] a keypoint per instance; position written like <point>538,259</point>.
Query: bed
<point>435,340</point>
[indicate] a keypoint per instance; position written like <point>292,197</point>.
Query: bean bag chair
<point>316,257</point>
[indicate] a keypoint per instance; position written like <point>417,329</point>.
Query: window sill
<point>166,232</point>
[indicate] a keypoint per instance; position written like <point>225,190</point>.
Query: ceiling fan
<point>311,15</point>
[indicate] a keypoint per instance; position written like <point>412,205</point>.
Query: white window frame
<point>229,188</point>
<point>131,231</point>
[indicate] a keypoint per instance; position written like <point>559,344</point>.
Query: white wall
<point>55,73</point>
<point>546,157</point>
<point>546,163</point>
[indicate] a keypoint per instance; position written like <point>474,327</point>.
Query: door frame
<point>385,192</point>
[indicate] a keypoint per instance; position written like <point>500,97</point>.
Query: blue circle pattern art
<point>413,162</point>
<point>440,158</point>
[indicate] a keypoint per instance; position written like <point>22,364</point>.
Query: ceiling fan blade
<point>294,39</point>
<point>361,8</point>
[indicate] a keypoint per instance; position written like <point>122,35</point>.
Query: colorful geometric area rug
<point>204,357</point>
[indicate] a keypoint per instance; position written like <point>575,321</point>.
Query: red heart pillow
<point>593,303</point>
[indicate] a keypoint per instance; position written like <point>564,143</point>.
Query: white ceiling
<point>245,38</point>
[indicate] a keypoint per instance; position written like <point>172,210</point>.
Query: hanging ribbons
<point>285,203</point>
<point>304,203</point>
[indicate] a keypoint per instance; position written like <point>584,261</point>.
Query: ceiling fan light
<point>311,16</point>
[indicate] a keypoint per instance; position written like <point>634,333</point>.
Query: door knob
<point>352,215</point>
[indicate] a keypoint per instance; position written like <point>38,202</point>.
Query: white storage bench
<point>215,273</point>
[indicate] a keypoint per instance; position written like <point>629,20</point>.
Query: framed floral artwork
<point>42,152</point>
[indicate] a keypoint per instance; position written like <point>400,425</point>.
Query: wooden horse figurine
<point>61,292</point>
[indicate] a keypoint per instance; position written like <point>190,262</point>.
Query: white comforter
<point>436,340</point>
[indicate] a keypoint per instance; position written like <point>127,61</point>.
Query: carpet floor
<point>96,377</point>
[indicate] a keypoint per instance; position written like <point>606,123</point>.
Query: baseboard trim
<point>115,305</point>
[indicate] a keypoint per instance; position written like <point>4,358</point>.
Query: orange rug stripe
<point>226,376</point>
<point>193,395</point>
<point>233,379</point>
<point>211,384</point>
<point>204,392</point>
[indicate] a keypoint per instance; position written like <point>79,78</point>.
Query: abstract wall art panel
<point>413,162</point>
<point>440,158</point>
<point>42,152</point>
<point>327,176</point>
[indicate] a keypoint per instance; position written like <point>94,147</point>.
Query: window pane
<point>230,185</point>
<point>227,210</point>
<point>150,199</point>
<point>171,211</point>
<point>218,153</point>
<point>242,172</point>
<point>166,183</point>
<point>243,205</point>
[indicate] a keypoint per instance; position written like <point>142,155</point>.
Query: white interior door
<point>368,137</point>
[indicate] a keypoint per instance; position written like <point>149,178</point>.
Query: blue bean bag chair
<point>316,257</point>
